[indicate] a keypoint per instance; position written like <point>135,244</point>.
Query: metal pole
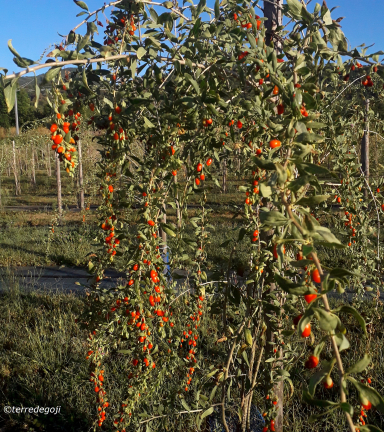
<point>16,116</point>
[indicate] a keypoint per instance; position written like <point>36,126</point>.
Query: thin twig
<point>93,13</point>
<point>181,412</point>
<point>349,85</point>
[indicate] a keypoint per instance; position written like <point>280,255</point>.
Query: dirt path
<point>64,279</point>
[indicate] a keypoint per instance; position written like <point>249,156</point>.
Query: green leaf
<point>327,320</point>
<point>71,37</point>
<point>273,218</point>
<point>193,82</point>
<point>81,4</point>
<point>312,200</point>
<point>342,341</point>
<point>291,287</point>
<point>217,9</point>
<point>245,357</point>
<point>37,92</point>
<point>340,272</point>
<point>51,74</point>
<point>352,311</point>
<point>85,81</point>
<point>281,174</point>
<point>92,28</point>
<point>305,319</point>
<point>206,413</point>
<point>148,123</point>
<point>369,428</point>
<point>263,163</point>
<point>317,402</point>
<point>20,61</point>
<point>13,51</point>
<point>346,407</point>
<point>23,62</point>
<point>252,40</point>
<point>168,229</point>
<point>308,138</point>
<point>242,233</point>
<point>168,4</point>
<point>315,125</point>
<point>319,376</point>
<point>301,263</point>
<point>212,373</point>
<point>212,395</point>
<point>140,52</point>
<point>185,405</point>
<point>10,94</point>
<point>82,43</point>
<point>327,18</point>
<point>265,190</point>
<point>360,366</point>
<point>133,67</point>
<point>308,168</point>
<point>328,239</point>
<point>248,336</point>
<point>295,7</point>
<point>369,393</point>
<point>310,102</point>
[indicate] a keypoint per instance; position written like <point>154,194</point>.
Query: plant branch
<point>95,60</point>
<point>327,308</point>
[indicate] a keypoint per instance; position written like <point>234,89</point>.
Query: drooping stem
<point>339,362</point>
<point>226,373</point>
<point>227,291</point>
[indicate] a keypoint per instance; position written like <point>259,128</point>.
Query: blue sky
<point>34,25</point>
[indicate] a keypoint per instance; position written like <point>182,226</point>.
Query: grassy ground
<point>42,363</point>
<point>24,234</point>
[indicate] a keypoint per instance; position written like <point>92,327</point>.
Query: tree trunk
<point>58,180</point>
<point>81,175</point>
<point>365,149</point>
<point>272,11</point>
<point>275,19</point>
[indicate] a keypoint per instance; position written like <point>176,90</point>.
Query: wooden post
<point>17,185</point>
<point>81,175</point>
<point>49,161</point>
<point>58,180</point>
<point>224,176</point>
<point>364,158</point>
<point>77,189</point>
<point>33,169</point>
